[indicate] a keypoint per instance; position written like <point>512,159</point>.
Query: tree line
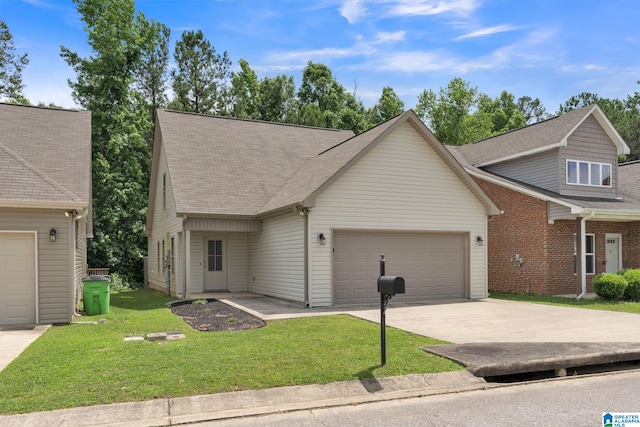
<point>127,78</point>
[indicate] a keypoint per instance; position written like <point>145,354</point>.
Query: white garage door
<point>434,265</point>
<point>17,279</point>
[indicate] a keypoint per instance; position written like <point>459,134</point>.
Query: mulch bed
<point>216,316</point>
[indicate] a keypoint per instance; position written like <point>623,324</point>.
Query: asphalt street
<point>576,401</point>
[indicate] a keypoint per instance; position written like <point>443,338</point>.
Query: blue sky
<point>549,49</point>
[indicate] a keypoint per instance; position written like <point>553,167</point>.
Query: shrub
<point>609,286</point>
<point>632,292</point>
<point>118,283</point>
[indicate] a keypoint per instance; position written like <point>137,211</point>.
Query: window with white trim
<point>589,251</point>
<point>593,174</point>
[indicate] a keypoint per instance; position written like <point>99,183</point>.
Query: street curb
<point>164,412</point>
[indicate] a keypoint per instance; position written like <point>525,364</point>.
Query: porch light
<point>479,240</point>
<point>322,238</point>
<point>52,235</point>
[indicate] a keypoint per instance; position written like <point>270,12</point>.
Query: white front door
<point>215,264</point>
<point>613,253</point>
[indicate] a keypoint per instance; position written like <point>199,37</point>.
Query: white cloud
<point>415,61</point>
<point>384,37</point>
<point>433,7</point>
<point>353,10</point>
<point>488,31</point>
<point>592,67</point>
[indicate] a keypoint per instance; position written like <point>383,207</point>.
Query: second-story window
<point>588,173</point>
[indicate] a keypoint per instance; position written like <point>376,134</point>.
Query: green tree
<point>446,111</point>
<point>277,99</point>
<point>152,72</point>
<point>389,105</point>
<point>200,80</point>
<point>118,38</point>
<point>321,97</point>
<point>503,111</point>
<point>354,116</point>
<point>11,66</point>
<point>532,109</point>
<point>245,92</point>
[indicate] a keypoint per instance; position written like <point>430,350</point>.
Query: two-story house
<point>569,210</point>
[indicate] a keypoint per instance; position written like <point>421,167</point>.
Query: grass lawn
<point>593,304</point>
<point>84,364</point>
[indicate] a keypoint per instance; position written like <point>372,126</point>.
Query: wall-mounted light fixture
<point>479,240</point>
<point>322,238</point>
<point>52,235</point>
<point>303,211</point>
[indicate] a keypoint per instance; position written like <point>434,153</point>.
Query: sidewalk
<point>164,412</point>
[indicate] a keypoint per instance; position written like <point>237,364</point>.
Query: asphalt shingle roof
<point>533,137</point>
<point>226,166</point>
<point>45,154</point>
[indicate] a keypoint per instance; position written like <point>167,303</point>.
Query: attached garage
<point>434,265</point>
<point>17,278</point>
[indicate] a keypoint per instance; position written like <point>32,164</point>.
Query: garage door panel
<point>17,278</point>
<point>433,265</point>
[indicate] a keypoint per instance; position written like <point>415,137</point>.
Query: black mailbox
<point>391,285</point>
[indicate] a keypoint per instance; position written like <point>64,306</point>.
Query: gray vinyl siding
<point>196,266</point>
<point>590,143</point>
<point>165,225</point>
<point>276,258</point>
<point>557,212</point>
<point>54,260</point>
<point>237,263</point>
<point>539,169</point>
<point>401,185</point>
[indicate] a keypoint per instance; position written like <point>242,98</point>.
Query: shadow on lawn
<point>140,299</point>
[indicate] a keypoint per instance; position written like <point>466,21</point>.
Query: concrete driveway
<point>482,321</point>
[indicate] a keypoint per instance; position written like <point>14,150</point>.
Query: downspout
<point>583,256</point>
<point>305,217</point>
<point>183,257</point>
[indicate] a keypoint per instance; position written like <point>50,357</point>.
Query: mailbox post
<point>388,286</point>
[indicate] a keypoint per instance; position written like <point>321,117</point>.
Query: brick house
<point>570,211</point>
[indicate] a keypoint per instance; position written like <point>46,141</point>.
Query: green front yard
<point>88,364</point>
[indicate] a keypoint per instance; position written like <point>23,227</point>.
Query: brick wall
<point>522,230</point>
<point>547,249</point>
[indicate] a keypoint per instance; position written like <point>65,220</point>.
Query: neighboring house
<point>303,214</point>
<point>45,205</point>
<point>570,211</point>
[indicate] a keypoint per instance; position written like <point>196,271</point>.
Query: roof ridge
<point>44,107</point>
<point>36,171</point>
<point>241,119</point>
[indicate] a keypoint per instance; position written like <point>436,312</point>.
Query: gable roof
<point>45,157</point>
<point>225,166</point>
<point>228,166</point>
<point>538,137</point>
<point>322,170</point>
<point>625,208</point>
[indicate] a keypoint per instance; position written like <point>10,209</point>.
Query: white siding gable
<point>401,184</point>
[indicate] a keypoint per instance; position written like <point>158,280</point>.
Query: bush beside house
<point>623,285</point>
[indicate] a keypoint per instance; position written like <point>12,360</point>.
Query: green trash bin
<point>96,295</point>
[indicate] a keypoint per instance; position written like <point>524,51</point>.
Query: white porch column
<point>187,263</point>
